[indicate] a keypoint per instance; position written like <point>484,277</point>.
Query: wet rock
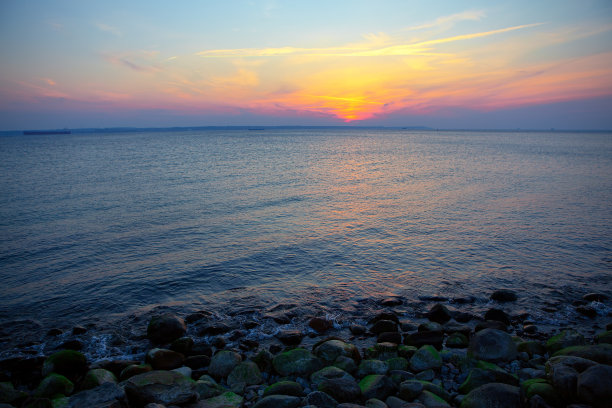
<point>225,400</point>
<point>390,302</point>
<point>37,403</point>
<point>429,399</point>
<point>163,359</point>
<point>197,316</point>
<point>298,362</point>
<point>134,369</point>
<point>457,340</point>
<point>409,390</point>
<point>397,364</point>
<point>55,332</point>
<point>564,379</point>
<point>246,373</point>
<point>69,363</point>
<point>290,337</point>
<point>587,311</point>
<point>196,362</point>
<point>427,357</point>
<point>601,353</point>
<point>541,393</point>
<point>604,337</point>
<point>439,313</point>
<point>426,375</point>
<point>107,395</point>
<point>182,345</point>
<point>431,327</point>
<point>284,388</point>
<point>73,344</point>
<point>8,393</point>
<point>595,297</point>
<point>201,349</point>
<point>321,400</point>
<point>498,315</point>
<point>482,376</point>
<point>223,362</point>
<point>382,326</point>
<point>161,387</point>
<point>389,337</point>
<point>320,324</point>
<point>330,350</point>
<point>367,367</point>
<point>341,389</point>
<point>96,377</point>
<point>214,329</point>
<point>376,386</point>
<point>357,329</point>
<point>327,373</point>
<point>165,328</point>
<point>54,384</point>
<point>207,387</point>
<point>566,338</point>
<point>384,316</point>
<point>504,295</point>
<point>425,338</point>
<point>493,346</point>
<point>595,385</point>
<point>491,324</point>
<point>493,395</point>
<point>278,401</point>
<point>531,348</point>
<point>394,402</point>
<point>346,363</point>
<point>76,330</point>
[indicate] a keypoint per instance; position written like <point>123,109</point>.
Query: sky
<point>443,64</point>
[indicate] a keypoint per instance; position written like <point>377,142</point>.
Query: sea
<point>103,229</point>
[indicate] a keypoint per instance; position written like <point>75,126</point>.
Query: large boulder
<point>96,377</point>
<point>376,386</point>
<point>492,345</point>
<point>439,313</point>
<point>601,353</point>
<point>54,384</point>
<point>161,387</point>
<point>107,395</point>
<point>341,389</point>
<point>163,359</point>
<point>246,373</point>
<point>595,386</point>
<point>482,376</point>
<point>330,350</point>
<point>298,362</point>
<point>223,362</point>
<point>566,338</point>
<point>165,328</point>
<point>493,395</point>
<point>69,363</point>
<point>427,357</point>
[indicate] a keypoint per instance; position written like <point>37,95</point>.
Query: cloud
<point>109,29</point>
<point>448,21</point>
<point>139,61</point>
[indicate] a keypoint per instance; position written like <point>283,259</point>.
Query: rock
<point>498,315</point>
<point>429,399</point>
<point>346,363</point>
<point>390,302</point>
<point>384,316</point>
<point>182,345</point>
<point>298,362</point>
<point>389,337</point>
<point>382,326</point>
<point>375,403</point>
<point>341,389</point>
<point>409,390</point>
<point>503,295</point>
<point>357,329</point>
<point>73,344</point>
<point>604,337</point>
<point>490,324</point>
<point>185,371</point>
<point>492,345</point>
<point>284,388</point>
<point>107,395</point>
<point>97,377</point>
<point>482,376</point>
<point>214,329</point>
<point>328,373</point>
<point>376,386</point>
<point>427,375</point>
<point>457,340</point>
<point>321,400</point>
<point>493,395</point>
<point>564,379</point>
<point>330,350</point>
<point>161,387</point>
<point>37,403</point>
<point>207,387</point>
<point>435,389</point>
<point>133,370</point>
<point>278,401</point>
<point>199,361</point>
<point>577,363</point>
<point>367,367</point>
<point>397,363</point>
<point>8,393</point>
<point>566,338</point>
<point>595,385</point>
<point>425,338</point>
<point>595,297</point>
<point>199,315</point>
<point>246,373</point>
<point>438,313</point>
<point>69,363</point>
<point>425,358</point>
<point>54,384</point>
<point>587,311</point>
<point>531,348</point>
<point>320,324</point>
<point>163,359</point>
<point>290,337</point>
<point>543,390</point>
<point>395,402</point>
<point>223,362</point>
<point>165,328</point>
<point>225,400</point>
<point>601,353</point>
<point>431,327</point>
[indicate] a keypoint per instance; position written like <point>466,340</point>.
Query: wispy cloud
<point>448,21</point>
<point>139,61</point>
<point>109,29</point>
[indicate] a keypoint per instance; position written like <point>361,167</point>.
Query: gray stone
<point>246,373</point>
<point>321,400</point>
<point>165,328</point>
<point>163,359</point>
<point>162,387</point>
<point>107,395</point>
<point>595,386</point>
<point>376,386</point>
<point>341,389</point>
<point>329,373</point>
<point>330,350</point>
<point>225,400</point>
<point>566,338</point>
<point>409,390</point>
<point>367,367</point>
<point>494,395</point>
<point>222,363</point>
<point>492,345</point>
<point>600,353</point>
<point>298,362</point>
<point>427,357</point>
<point>284,388</point>
<point>431,400</point>
<point>96,377</point>
<point>278,401</point>
<point>207,387</point>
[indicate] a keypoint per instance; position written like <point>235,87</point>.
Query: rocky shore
<point>447,359</point>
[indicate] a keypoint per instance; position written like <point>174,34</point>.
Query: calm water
<point>94,227</point>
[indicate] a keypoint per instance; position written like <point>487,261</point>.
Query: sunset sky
<point>447,64</point>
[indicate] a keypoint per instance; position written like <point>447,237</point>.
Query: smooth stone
<point>397,363</point>
<point>425,338</point>
<point>566,338</point>
<point>163,359</point>
<point>595,297</point>
<point>427,357</point>
<point>69,363</point>
<point>431,400</point>
<point>225,400</point>
<point>37,403</point>
<point>284,388</point>
<point>457,340</point>
<point>543,390</point>
<point>214,329</point>
<point>439,313</point>
<point>382,326</point>
<point>389,337</point>
<point>341,389</point>
<point>564,379</point>
<point>107,395</point>
<point>436,389</point>
<point>367,367</point>
<point>197,316</point>
<point>207,387</point>
<point>184,371</point>
<point>357,329</point>
<point>587,311</point>
<point>329,350</point>
<point>493,346</point>
<point>8,393</point>
<point>96,377</point>
<point>320,324</point>
<point>604,337</point>
<point>409,390</point>
<point>162,387</point>
<point>278,401</point>
<point>493,395</point>
<point>399,376</point>
<point>223,362</point>
<point>375,403</point>
<point>601,353</point>
<point>133,370</point>
<point>595,386</point>
<point>427,375</point>
<point>321,400</point>
<point>577,363</point>
<point>165,328</point>
<point>504,295</point>
<point>290,337</point>
<point>299,361</point>
<point>346,363</point>
<point>376,386</point>
<point>327,373</point>
<point>182,345</point>
<point>430,327</point>
<point>199,361</point>
<point>247,373</point>
<point>394,402</point>
<point>531,348</point>
<point>481,376</point>
<point>54,384</point>
<point>384,316</point>
<point>498,315</point>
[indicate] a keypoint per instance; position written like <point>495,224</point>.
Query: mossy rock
<point>60,402</point>
<point>225,400</point>
<point>327,373</point>
<point>376,386</point>
<point>604,337</point>
<point>96,377</point>
<point>532,348</point>
<point>246,373</point>
<point>329,350</point>
<point>397,363</point>
<point>429,399</point>
<point>367,367</point>
<point>567,338</point>
<point>457,340</point>
<point>299,361</point>
<point>544,390</point>
<point>54,384</point>
<point>69,363</point>
<point>406,351</point>
<point>207,387</point>
<point>427,357</point>
<point>9,395</point>
<point>284,388</point>
<point>478,377</point>
<point>600,353</point>
<point>436,389</point>
<point>162,387</point>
